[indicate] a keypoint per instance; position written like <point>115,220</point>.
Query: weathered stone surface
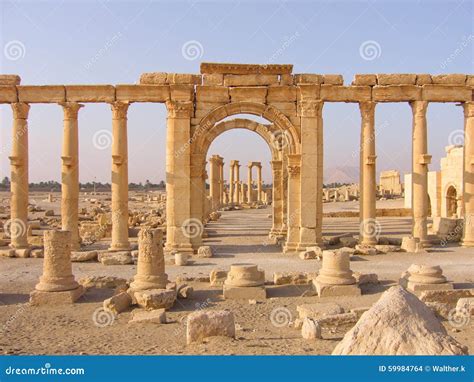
<point>318,310</point>
<point>366,278</point>
<point>212,94</point>
<point>142,93</point>
<point>446,93</point>
<point>250,79</point>
<point>449,79</point>
<point>38,297</point>
<point>217,277</point>
<point>155,298</point>
<point>386,248</point>
<point>294,278</point>
<point>325,290</point>
<point>248,94</point>
<point>466,304</point>
<point>411,244</point>
<point>333,79</point>
<point>154,78</point>
<point>102,282</point>
<point>8,94</point>
<point>204,324</point>
<point>396,79</point>
<point>183,78</point>
<point>90,93</point>
<point>23,253</point>
<point>281,94</point>
<point>308,78</point>
<point>446,296</point>
<point>181,259</point>
<point>81,256</point>
<point>332,93</point>
<point>310,329</point>
<point>398,324</point>
<point>338,320</point>
<point>311,253</point>
<point>348,241</point>
<point>423,79</point>
<point>365,80</point>
<point>223,68</point>
<point>41,93</point>
<point>37,253</point>
<point>185,291</point>
<point>244,293</point>
<point>118,303</point>
<point>363,249</point>
<point>204,251</point>
<point>9,79</point>
<point>157,316</point>
<point>115,258</point>
<point>396,93</point>
<point>213,79</point>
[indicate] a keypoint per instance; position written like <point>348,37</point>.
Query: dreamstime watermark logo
<point>14,50</point>
<point>192,228</point>
<point>14,228</point>
<point>107,46</point>
<point>456,137</point>
<point>460,48</point>
<point>370,228</point>
<point>192,50</point>
<point>370,50</point>
<point>459,317</point>
<point>102,318</point>
<point>280,317</point>
<point>102,139</point>
<point>287,42</point>
<point>280,140</point>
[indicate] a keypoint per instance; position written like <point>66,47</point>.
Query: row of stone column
<point>69,175</point>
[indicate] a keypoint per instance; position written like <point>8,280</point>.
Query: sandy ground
<point>239,236</point>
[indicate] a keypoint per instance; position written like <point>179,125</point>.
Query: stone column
<point>311,173</point>
<point>179,225</point>
<point>259,183</point>
<point>237,182</point>
<point>151,262</point>
<point>198,200</point>
<point>214,186</point>
<point>70,173</point>
<point>249,183</point>
<point>284,188</point>
<point>368,225</point>
<point>221,181</point>
<point>57,284</point>
<point>19,177</point>
<point>119,177</point>
<point>468,177</point>
<point>294,213</point>
<point>420,161</point>
<point>277,195</point>
<point>231,181</point>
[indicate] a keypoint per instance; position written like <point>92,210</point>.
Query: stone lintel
<point>250,79</point>
<point>281,94</point>
<point>56,298</point>
<point>90,93</point>
<point>142,93</point>
<point>9,79</point>
<point>182,92</point>
<point>396,93</point>
<point>325,290</point>
<point>446,93</point>
<point>41,93</point>
<point>212,94</point>
<point>223,68</point>
<point>331,93</point>
<point>244,293</point>
<point>249,94</point>
<point>8,94</point>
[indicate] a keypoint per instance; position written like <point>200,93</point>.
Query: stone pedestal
<point>151,263</point>
<point>335,277</point>
<point>244,281</point>
<point>468,177</point>
<point>424,277</point>
<point>119,177</point>
<point>17,226</point>
<point>368,185</point>
<point>57,284</point>
<point>420,162</point>
<point>70,173</point>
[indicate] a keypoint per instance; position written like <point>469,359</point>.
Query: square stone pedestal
<point>418,287</point>
<point>244,293</point>
<point>325,290</point>
<point>38,297</point>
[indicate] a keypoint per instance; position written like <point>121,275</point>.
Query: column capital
<point>277,165</point>
<point>179,109</point>
<point>71,109</point>
<point>119,109</point>
<point>367,108</point>
<point>419,107</point>
<point>468,109</point>
<point>294,170</point>
<point>310,108</point>
<point>20,110</point>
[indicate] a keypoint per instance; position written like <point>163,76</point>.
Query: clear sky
<point>112,42</point>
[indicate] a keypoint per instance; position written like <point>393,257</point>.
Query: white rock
<point>204,251</point>
<point>398,324</point>
<point>205,324</point>
<point>310,329</point>
<point>157,316</point>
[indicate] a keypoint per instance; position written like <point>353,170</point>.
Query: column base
<point>467,243</point>
<point>38,297</point>
<point>177,248</point>
<point>290,248</point>
<point>326,290</point>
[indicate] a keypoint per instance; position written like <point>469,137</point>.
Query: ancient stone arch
<point>451,200</point>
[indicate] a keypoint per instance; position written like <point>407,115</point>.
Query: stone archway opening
<point>451,202</point>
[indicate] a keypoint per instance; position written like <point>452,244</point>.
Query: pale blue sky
<point>67,42</point>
